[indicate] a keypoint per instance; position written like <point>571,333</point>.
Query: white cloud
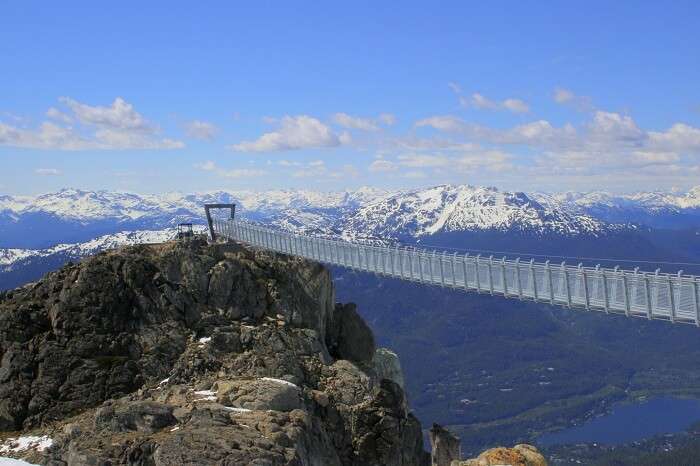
<point>203,130</point>
<point>120,115</point>
<point>609,143</point>
<point>48,171</point>
<point>242,173</point>
<point>388,119</point>
<point>351,122</point>
<point>319,172</point>
<point>58,115</point>
<point>364,124</point>
<point>562,96</point>
<point>415,174</point>
<point>491,160</point>
<point>680,137</point>
<point>206,166</point>
<point>423,161</point>
<point>289,163</point>
<point>123,139</point>
<point>455,87</point>
<point>515,106</point>
<point>442,123</point>
<point>296,132</point>
<point>210,166</point>
<point>383,166</point>
<point>479,101</point>
<point>116,127</point>
<point>315,169</point>
<point>567,97</point>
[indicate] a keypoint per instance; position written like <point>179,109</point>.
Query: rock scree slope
<point>197,354</point>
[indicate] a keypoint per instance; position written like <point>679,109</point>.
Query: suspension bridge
<point>634,293</point>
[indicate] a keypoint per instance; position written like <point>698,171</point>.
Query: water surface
<point>630,422</point>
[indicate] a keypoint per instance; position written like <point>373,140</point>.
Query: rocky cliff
<point>196,354</point>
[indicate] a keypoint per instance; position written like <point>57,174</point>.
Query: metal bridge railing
<point>672,297</point>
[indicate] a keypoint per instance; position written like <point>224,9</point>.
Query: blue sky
<point>159,96</point>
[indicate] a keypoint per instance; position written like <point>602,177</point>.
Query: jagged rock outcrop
<point>445,451</point>
<point>196,354</point>
<point>519,455</point>
<point>445,447</point>
<point>388,366</point>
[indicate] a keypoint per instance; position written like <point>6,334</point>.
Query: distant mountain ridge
<point>655,209</point>
<point>448,208</point>
<point>75,216</point>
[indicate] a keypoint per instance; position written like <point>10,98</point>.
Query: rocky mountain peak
<point>197,354</point>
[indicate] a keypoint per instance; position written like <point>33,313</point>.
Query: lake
<point>630,422</point>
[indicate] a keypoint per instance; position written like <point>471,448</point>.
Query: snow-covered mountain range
<point>82,205</point>
<point>11,256</point>
<point>72,215</point>
<point>70,224</point>
<point>440,209</point>
<point>19,265</point>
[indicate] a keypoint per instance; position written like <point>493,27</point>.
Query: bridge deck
<point>634,293</point>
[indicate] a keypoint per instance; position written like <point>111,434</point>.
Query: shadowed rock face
<point>197,354</point>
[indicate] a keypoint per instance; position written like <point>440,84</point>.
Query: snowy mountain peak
<point>449,208</point>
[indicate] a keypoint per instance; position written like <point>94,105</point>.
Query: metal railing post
<point>606,296</point>
<point>565,271</point>
<point>442,269</point>
<point>534,279</point>
<point>550,282</point>
<point>478,274</point>
<point>503,276</point>
<point>672,298</point>
<point>518,280</point>
<point>454,270</point>
<point>696,299</point>
<point>585,287</point>
<point>464,266</point>
<point>490,266</point>
<point>647,295</point>
<point>420,268</point>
